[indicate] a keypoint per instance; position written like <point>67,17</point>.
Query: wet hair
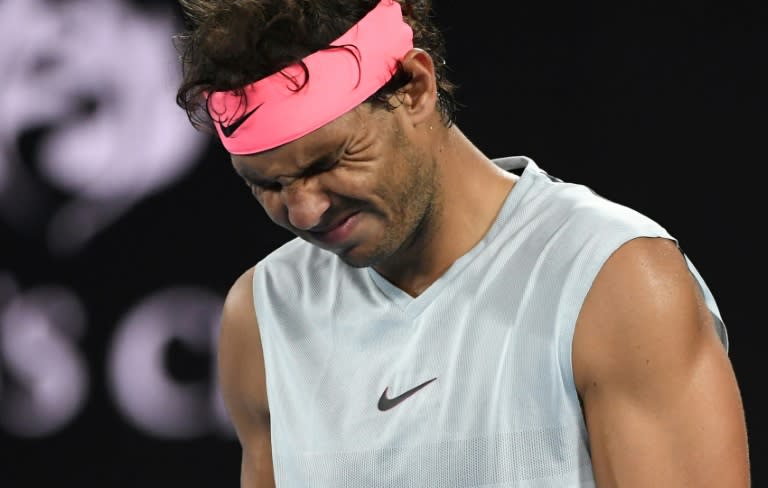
<point>230,44</point>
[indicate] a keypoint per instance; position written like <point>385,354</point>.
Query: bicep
<point>661,402</point>
<point>242,378</point>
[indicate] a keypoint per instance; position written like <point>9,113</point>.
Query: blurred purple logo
<point>39,331</point>
<point>45,381</point>
<point>88,120</point>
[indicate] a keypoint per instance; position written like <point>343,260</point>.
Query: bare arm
<point>661,401</point>
<point>243,383</point>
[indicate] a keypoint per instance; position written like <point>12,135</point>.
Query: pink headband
<point>339,79</point>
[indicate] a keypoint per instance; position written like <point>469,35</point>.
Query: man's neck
<point>472,190</point>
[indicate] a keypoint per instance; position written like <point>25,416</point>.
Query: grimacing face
<point>357,186</point>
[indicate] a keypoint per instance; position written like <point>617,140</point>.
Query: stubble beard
<point>411,221</point>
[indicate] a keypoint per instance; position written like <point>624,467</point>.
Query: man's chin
<point>358,258</point>
<point>353,254</point>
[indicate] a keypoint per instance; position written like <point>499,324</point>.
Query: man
<point>442,319</point>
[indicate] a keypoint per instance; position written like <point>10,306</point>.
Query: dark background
<point>663,110</point>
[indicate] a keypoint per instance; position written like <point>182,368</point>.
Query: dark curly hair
<point>230,44</point>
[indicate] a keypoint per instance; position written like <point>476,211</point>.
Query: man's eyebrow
<point>246,173</point>
<point>322,160</point>
<point>316,163</point>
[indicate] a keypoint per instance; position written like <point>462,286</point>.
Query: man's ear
<point>418,98</point>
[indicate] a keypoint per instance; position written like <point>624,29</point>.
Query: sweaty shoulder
<point>644,314</point>
<point>240,357</point>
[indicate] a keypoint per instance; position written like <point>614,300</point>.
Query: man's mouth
<point>338,231</point>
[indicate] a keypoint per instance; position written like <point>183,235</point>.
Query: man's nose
<point>306,203</point>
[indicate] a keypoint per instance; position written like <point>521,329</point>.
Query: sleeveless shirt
<point>467,385</point>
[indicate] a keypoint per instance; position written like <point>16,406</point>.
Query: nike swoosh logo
<point>387,403</point>
<point>228,130</point>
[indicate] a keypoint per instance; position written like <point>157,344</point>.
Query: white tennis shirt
<point>467,385</point>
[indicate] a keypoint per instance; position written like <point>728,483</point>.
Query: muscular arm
<point>661,401</point>
<point>243,383</point>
